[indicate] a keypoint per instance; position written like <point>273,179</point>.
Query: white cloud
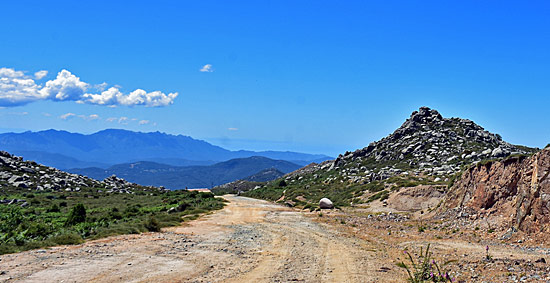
<point>113,96</point>
<point>16,113</point>
<point>107,97</point>
<point>65,87</point>
<point>46,114</point>
<point>123,120</point>
<point>207,68</point>
<point>16,88</point>
<point>40,74</point>
<point>89,117</point>
<point>127,120</point>
<point>67,116</point>
<point>233,129</point>
<point>101,86</point>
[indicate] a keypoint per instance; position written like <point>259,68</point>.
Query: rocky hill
<point>427,149</point>
<point>510,195</point>
<point>31,176</point>
<point>430,144</point>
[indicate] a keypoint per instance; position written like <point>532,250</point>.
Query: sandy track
<point>248,241</point>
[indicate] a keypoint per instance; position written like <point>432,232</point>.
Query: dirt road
<point>248,241</point>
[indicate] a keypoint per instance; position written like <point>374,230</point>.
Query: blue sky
<point>311,76</point>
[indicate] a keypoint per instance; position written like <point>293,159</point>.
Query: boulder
<point>498,152</point>
<point>326,203</point>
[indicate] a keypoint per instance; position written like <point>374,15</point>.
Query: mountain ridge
<point>180,177</point>
<point>65,149</point>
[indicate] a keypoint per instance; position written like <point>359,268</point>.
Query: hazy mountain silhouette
<point>178,177</point>
<point>63,149</point>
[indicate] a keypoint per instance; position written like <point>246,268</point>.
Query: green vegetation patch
<point>61,218</point>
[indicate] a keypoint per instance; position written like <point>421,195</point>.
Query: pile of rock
<point>15,172</point>
<point>426,144</point>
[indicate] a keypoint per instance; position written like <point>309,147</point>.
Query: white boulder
<point>326,203</point>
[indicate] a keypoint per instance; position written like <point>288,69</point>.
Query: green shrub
<point>183,206</point>
<point>380,195</point>
<point>131,211</point>
<point>152,224</point>
<point>37,230</point>
<point>77,215</point>
<point>67,239</point>
<point>53,208</point>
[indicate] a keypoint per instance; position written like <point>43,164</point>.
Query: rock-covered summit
<point>428,143</point>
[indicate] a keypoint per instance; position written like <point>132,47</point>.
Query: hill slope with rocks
<point>427,149</point>
<point>31,176</point>
<point>105,148</point>
<point>177,177</point>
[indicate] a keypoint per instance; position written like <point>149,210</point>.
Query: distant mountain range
<point>105,148</point>
<point>179,177</point>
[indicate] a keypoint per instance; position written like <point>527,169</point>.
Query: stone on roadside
<point>326,203</point>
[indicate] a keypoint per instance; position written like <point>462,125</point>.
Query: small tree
<point>77,215</point>
<point>282,183</point>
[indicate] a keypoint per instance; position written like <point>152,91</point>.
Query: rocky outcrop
<point>29,175</point>
<point>433,145</point>
<point>516,188</point>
